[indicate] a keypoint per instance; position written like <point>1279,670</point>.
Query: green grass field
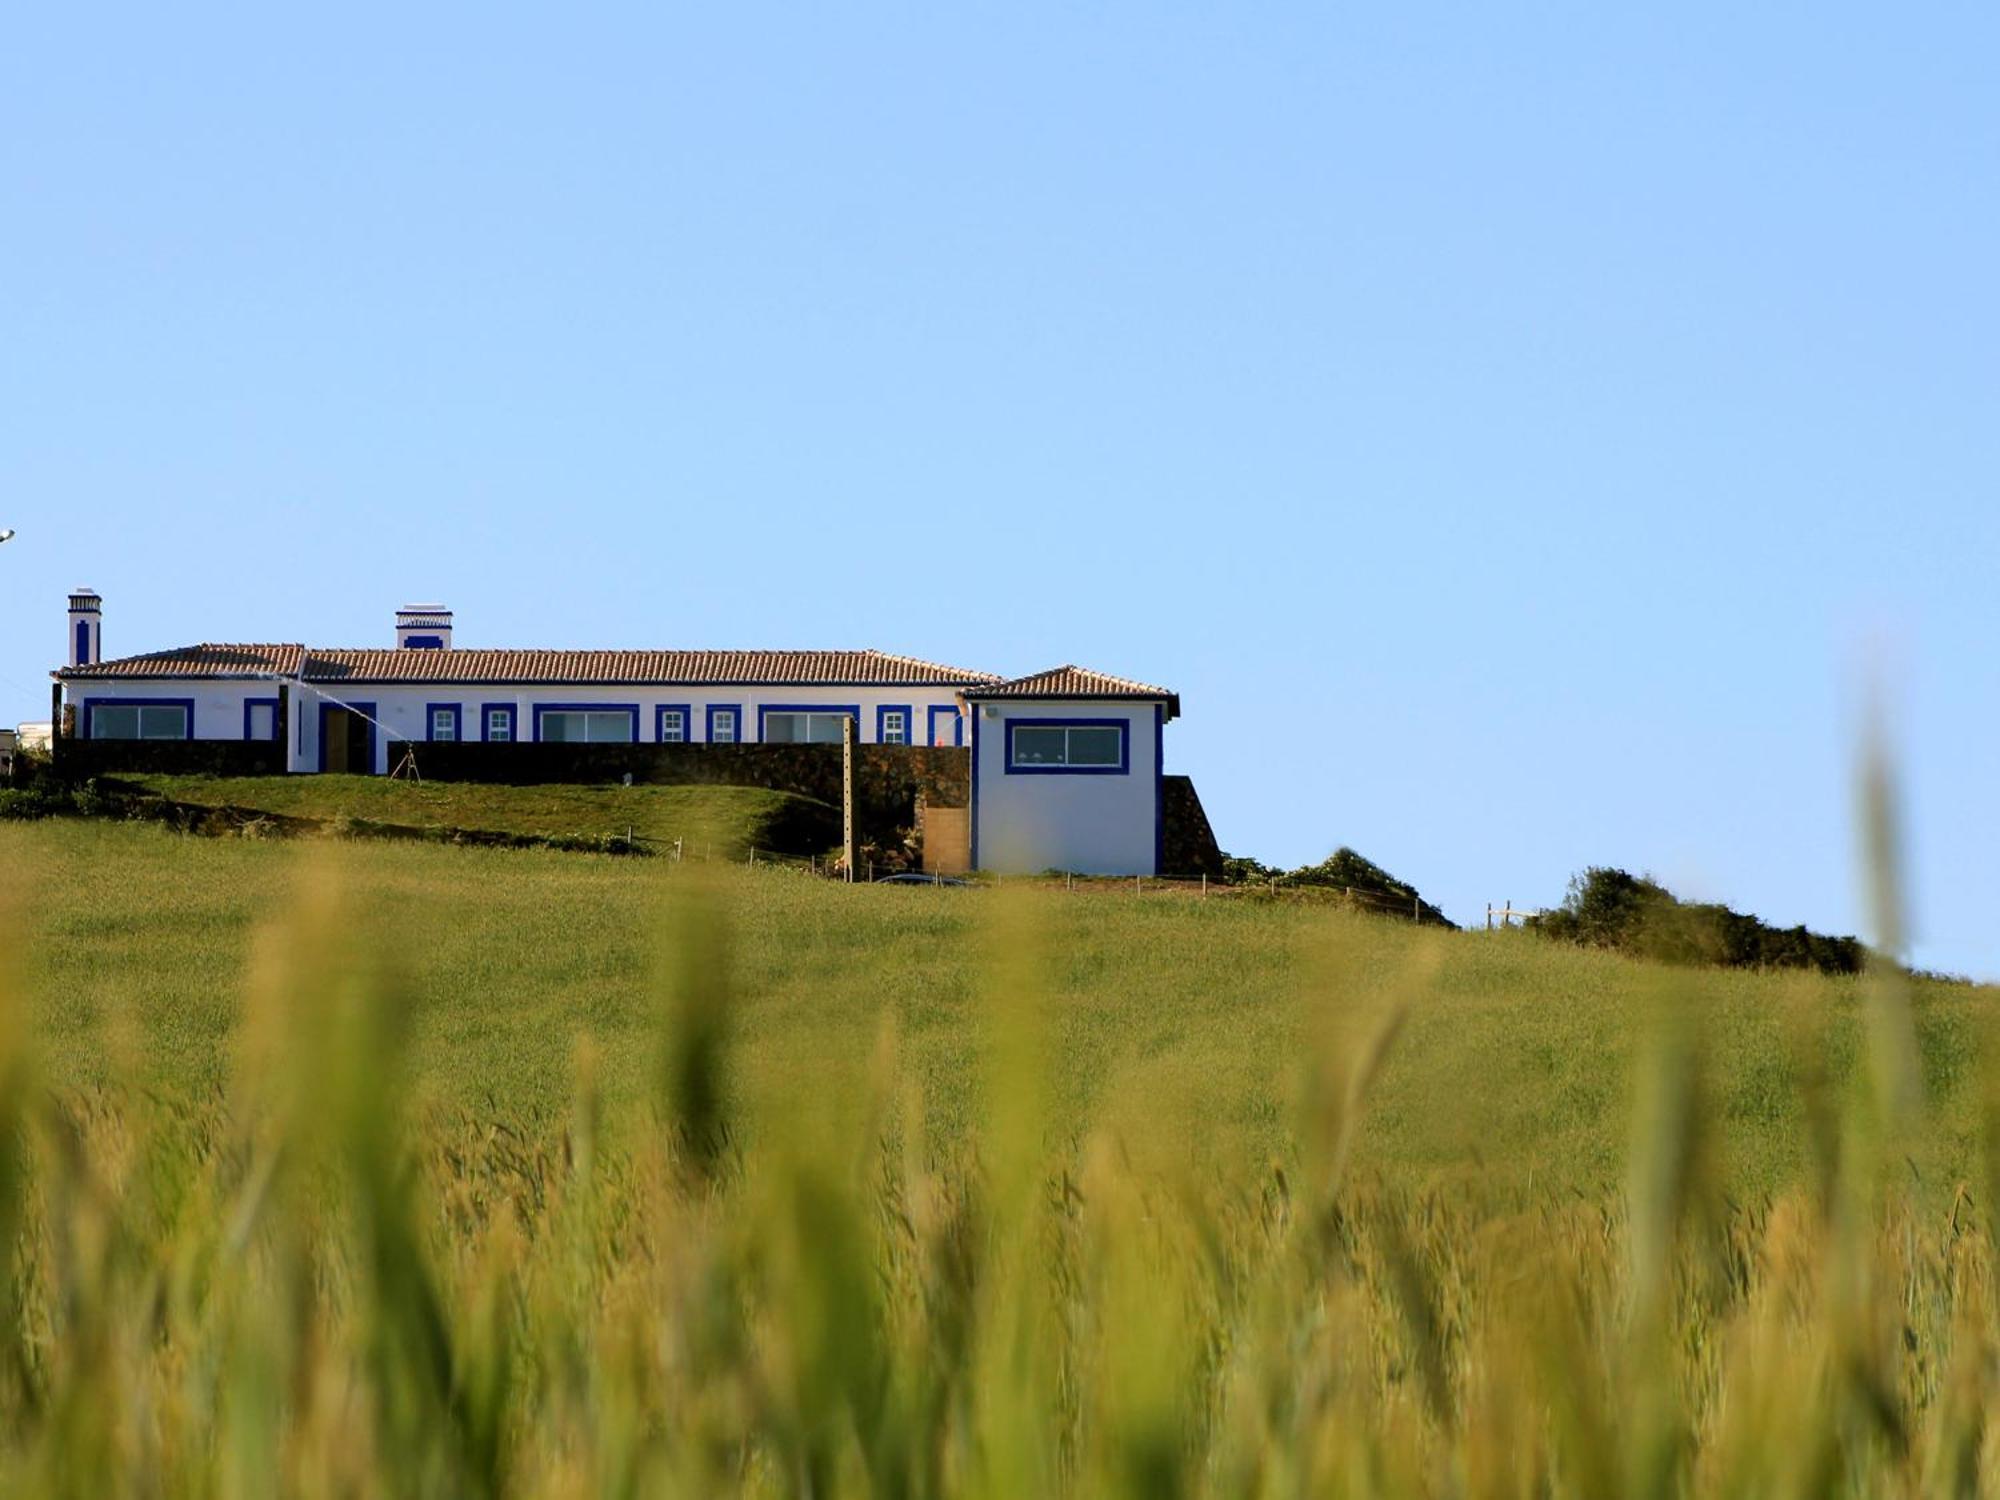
<point>355,1168</point>
<point>1516,1063</point>
<point>722,821</point>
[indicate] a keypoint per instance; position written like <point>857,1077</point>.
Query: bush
<point>1360,880</point>
<point>1609,908</point>
<point>41,800</point>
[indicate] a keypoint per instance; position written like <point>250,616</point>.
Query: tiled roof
<point>1075,682</point>
<point>576,668</point>
<point>206,660</point>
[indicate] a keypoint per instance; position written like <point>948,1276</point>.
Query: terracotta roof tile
<point>1075,682</point>
<point>575,668</point>
<point>206,660</point>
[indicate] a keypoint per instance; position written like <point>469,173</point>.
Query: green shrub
<point>1609,908</point>
<point>41,800</point>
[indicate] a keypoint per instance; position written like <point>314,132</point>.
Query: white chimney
<point>423,627</point>
<point>86,627</point>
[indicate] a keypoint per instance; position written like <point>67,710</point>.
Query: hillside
<point>722,821</point>
<point>509,1172</point>
<point>1189,1020</point>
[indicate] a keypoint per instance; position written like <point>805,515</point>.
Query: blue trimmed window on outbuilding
<point>725,724</point>
<point>1089,746</point>
<point>499,718</point>
<point>443,723</point>
<point>892,725</point>
<point>673,724</point>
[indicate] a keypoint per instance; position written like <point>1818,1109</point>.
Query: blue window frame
<point>804,723</point>
<point>894,724</point>
<point>138,718</point>
<point>673,723</point>
<point>725,723</point>
<point>935,736</point>
<point>598,723</point>
<point>496,723</point>
<point>260,718</point>
<point>82,643</point>
<point>1069,747</point>
<point>442,723</point>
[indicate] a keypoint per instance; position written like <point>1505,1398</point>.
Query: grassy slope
<point>1184,1023</point>
<point>726,820</point>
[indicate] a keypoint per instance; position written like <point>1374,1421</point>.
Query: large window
<point>803,727</point>
<point>576,726</point>
<point>139,721</point>
<point>1067,745</point>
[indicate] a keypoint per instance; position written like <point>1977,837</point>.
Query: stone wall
<point>79,760</point>
<point>1188,843</point>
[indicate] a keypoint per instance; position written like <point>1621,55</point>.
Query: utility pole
<point>849,728</point>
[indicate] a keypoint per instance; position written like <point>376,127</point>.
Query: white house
<point>1065,766</point>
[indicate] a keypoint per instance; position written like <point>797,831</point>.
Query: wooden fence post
<point>849,732</point>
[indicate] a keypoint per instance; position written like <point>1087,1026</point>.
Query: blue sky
<point>1514,430</point>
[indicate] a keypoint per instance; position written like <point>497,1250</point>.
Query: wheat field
<point>409,1171</point>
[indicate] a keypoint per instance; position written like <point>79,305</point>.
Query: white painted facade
<point>1090,822</point>
<point>403,711</point>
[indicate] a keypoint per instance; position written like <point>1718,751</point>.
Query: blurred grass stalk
<point>314,1292</point>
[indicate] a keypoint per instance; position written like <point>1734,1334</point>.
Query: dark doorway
<point>346,740</point>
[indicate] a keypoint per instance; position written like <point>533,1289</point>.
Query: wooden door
<point>346,741</point>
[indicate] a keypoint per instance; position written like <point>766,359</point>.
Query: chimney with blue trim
<point>423,627</point>
<point>86,627</point>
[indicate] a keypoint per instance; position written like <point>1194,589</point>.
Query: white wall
<point>218,706</point>
<point>1094,823</point>
<point>402,711</point>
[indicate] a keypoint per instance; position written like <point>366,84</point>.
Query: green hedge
<point>1608,908</point>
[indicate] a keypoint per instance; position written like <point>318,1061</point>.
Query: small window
<point>260,721</point>
<point>895,727</point>
<point>722,727</point>
<point>139,721</point>
<point>584,726</point>
<point>499,725</point>
<point>1067,746</point>
<point>673,726</point>
<point>444,724</point>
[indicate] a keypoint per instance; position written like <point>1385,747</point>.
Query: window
<point>260,719</point>
<point>1074,745</point>
<point>946,727</point>
<point>576,726</point>
<point>499,724</point>
<point>444,722</point>
<point>803,727</point>
<point>138,721</point>
<point>673,726</point>
<point>894,727</point>
<point>722,726</point>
